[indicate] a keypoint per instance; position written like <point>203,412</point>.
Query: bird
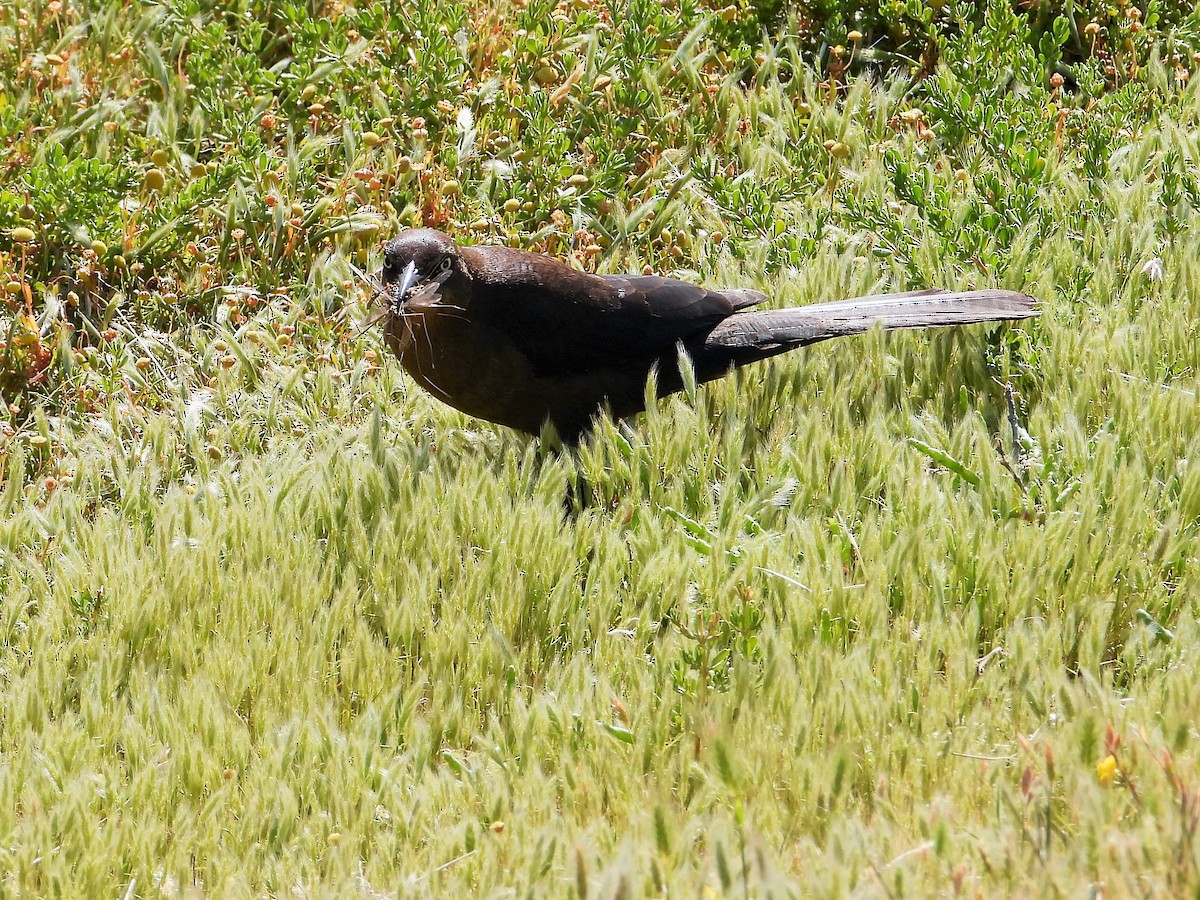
<point>524,340</point>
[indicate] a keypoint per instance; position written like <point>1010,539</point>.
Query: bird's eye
<point>445,265</point>
<point>389,265</point>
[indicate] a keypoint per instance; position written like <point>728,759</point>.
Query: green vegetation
<point>893,616</point>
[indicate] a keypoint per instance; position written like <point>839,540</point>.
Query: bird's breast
<point>467,365</point>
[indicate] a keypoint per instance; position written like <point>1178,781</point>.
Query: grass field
<point>893,616</point>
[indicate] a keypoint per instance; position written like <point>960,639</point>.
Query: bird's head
<point>416,264</point>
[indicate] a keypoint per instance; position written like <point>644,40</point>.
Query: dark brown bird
<point>522,339</point>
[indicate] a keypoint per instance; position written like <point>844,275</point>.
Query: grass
<point>891,616</point>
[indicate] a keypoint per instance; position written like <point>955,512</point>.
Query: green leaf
<point>1161,632</point>
<point>691,526</point>
<point>944,459</point>
<point>624,735</point>
<point>1062,30</point>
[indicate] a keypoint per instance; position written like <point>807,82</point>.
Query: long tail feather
<point>782,329</point>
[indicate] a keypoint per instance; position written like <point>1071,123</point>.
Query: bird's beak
<point>407,279</point>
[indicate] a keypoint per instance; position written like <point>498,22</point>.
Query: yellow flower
<point>1106,770</point>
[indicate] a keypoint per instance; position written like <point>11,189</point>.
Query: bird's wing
<point>569,322</point>
<point>671,300</point>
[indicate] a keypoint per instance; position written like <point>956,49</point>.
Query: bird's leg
<point>554,446</point>
<point>577,495</point>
